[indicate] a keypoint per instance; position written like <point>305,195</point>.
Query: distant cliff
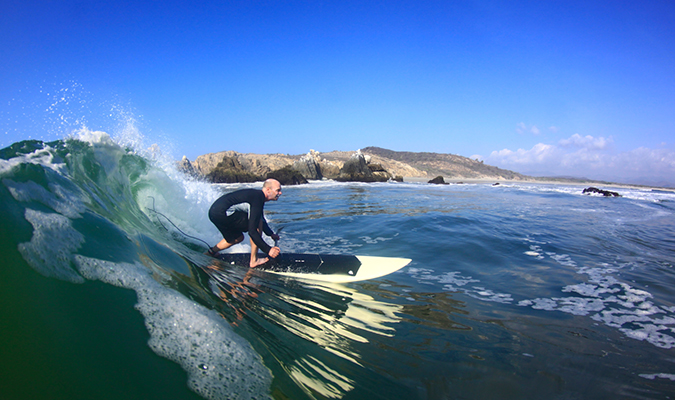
<point>368,165</point>
<point>448,165</point>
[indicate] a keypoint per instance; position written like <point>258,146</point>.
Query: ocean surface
<point>515,291</point>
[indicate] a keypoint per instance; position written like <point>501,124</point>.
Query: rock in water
<point>438,181</point>
<point>606,193</point>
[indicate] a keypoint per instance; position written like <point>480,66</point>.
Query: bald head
<point>272,189</point>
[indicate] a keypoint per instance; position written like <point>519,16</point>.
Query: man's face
<point>273,191</point>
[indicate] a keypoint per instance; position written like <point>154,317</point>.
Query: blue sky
<point>582,88</point>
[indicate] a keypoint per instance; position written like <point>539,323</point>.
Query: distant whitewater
<point>515,291</point>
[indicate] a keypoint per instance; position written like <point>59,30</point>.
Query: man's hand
<point>274,252</point>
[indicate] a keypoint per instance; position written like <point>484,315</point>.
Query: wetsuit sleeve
<point>266,228</point>
<point>254,221</point>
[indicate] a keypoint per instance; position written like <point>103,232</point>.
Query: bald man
<point>242,211</point>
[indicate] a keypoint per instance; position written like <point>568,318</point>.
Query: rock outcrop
<point>313,166</point>
<point>379,172</point>
<point>257,164</point>
<point>308,165</point>
<point>287,176</point>
<point>186,166</point>
<point>606,193</point>
<point>393,167</point>
<point>356,169</point>
<point>372,164</point>
<point>230,170</point>
<point>438,181</point>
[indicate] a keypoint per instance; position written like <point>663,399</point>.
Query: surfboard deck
<point>338,268</point>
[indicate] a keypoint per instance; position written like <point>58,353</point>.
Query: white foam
<point>603,297</point>
<point>49,250</point>
<point>455,282</point>
<point>648,195</point>
<point>42,157</point>
<point>59,199</point>
<point>661,375</point>
<point>488,295</point>
<point>93,137</point>
<point>369,240</point>
<point>220,364</point>
<point>612,302</point>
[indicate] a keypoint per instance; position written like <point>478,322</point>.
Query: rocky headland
<point>371,164</point>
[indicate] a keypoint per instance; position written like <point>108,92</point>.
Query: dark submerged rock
<point>606,193</point>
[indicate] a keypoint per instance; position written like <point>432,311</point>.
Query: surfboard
<point>337,268</point>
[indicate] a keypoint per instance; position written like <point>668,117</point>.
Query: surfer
<point>242,211</point>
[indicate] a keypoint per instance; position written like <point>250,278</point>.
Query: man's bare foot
<point>258,262</point>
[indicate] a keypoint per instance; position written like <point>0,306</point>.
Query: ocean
<point>515,291</point>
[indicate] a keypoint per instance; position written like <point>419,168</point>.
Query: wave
<point>86,203</point>
<point>90,208</point>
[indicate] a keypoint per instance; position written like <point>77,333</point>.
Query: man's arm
<point>266,228</point>
<point>255,217</point>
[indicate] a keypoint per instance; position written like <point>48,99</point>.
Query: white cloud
<point>587,142</point>
<point>590,157</point>
<point>538,154</point>
<point>522,128</point>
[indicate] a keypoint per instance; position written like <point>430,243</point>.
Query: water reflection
<point>335,318</point>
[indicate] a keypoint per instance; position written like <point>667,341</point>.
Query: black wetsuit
<point>241,211</point>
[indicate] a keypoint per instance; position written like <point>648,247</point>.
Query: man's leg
<point>255,261</point>
<point>224,244</point>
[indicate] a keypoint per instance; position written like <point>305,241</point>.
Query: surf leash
<point>174,225</point>
<point>276,242</point>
